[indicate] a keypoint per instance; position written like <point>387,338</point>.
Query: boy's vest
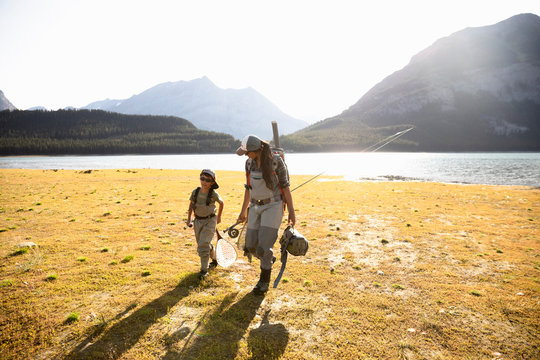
<point>208,197</point>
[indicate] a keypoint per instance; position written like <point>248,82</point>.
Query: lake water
<point>473,168</point>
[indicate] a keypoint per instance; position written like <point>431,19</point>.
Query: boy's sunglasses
<point>205,179</point>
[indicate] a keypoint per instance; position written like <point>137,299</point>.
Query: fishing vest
<point>210,207</point>
<point>256,184</point>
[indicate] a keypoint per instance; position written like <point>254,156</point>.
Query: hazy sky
<point>313,59</point>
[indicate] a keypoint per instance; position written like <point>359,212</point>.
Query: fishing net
<point>241,239</point>
<point>225,253</point>
<point>241,242</point>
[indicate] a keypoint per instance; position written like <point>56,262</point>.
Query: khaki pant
<point>262,231</point>
<point>204,233</point>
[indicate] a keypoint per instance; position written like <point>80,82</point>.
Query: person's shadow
<point>123,335</point>
<point>219,336</point>
<point>268,341</point>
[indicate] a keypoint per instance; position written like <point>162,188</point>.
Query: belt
<point>204,217</point>
<point>264,201</point>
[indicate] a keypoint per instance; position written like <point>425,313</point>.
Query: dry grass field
<point>395,270</point>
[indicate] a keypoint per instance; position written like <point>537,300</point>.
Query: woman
<point>267,188</point>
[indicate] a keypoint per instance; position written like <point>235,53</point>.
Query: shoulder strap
<point>248,171</point>
<point>208,197</point>
<point>196,193</point>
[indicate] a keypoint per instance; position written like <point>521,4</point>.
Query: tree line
<point>65,132</point>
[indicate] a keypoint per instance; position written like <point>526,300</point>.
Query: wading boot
<point>203,274</point>
<point>212,264</point>
<point>264,282</point>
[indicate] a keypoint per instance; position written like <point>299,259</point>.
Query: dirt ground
<point>395,270</point>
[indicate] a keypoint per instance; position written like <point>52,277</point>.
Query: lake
<point>473,168</point>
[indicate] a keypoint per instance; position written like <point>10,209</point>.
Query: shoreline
<point>321,178</point>
<point>467,168</point>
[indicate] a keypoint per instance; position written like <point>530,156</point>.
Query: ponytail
<point>266,164</point>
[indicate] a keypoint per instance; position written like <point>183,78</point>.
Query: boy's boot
<point>264,282</point>
<point>214,262</point>
<point>204,268</point>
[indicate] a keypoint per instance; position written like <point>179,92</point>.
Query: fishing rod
<point>387,140</point>
<point>304,183</point>
<point>279,151</point>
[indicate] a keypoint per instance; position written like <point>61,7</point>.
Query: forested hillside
<point>101,132</point>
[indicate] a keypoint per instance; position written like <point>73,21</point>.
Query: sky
<point>312,59</point>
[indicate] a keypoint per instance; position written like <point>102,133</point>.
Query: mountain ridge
<point>480,87</point>
<point>5,104</point>
<point>237,112</point>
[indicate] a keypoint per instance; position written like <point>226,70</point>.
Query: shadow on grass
<point>268,341</point>
<point>218,335</point>
<point>123,335</point>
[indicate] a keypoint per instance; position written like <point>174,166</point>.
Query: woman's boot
<point>264,282</point>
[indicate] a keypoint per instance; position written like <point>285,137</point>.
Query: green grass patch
<point>71,318</point>
<point>127,259</point>
<point>20,251</point>
<point>51,277</point>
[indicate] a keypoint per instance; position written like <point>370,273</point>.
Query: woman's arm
<point>290,207</point>
<point>243,213</point>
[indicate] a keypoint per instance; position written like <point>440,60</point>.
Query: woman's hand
<point>292,218</point>
<point>242,218</point>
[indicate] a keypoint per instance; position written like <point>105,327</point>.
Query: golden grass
<point>395,270</point>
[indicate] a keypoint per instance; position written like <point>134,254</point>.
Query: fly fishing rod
<point>387,140</point>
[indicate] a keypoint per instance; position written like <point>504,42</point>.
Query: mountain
<point>5,104</point>
<point>475,90</point>
<point>37,108</point>
<point>236,112</point>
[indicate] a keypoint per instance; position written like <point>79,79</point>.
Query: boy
<point>202,204</point>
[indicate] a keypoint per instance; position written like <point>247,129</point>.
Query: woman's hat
<point>212,174</point>
<point>249,143</point>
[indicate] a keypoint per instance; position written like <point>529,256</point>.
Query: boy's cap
<point>212,174</point>
<point>249,143</point>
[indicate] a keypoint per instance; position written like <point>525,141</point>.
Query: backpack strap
<point>208,197</point>
<point>248,172</point>
<point>274,167</point>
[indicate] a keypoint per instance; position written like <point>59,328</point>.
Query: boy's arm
<point>190,212</point>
